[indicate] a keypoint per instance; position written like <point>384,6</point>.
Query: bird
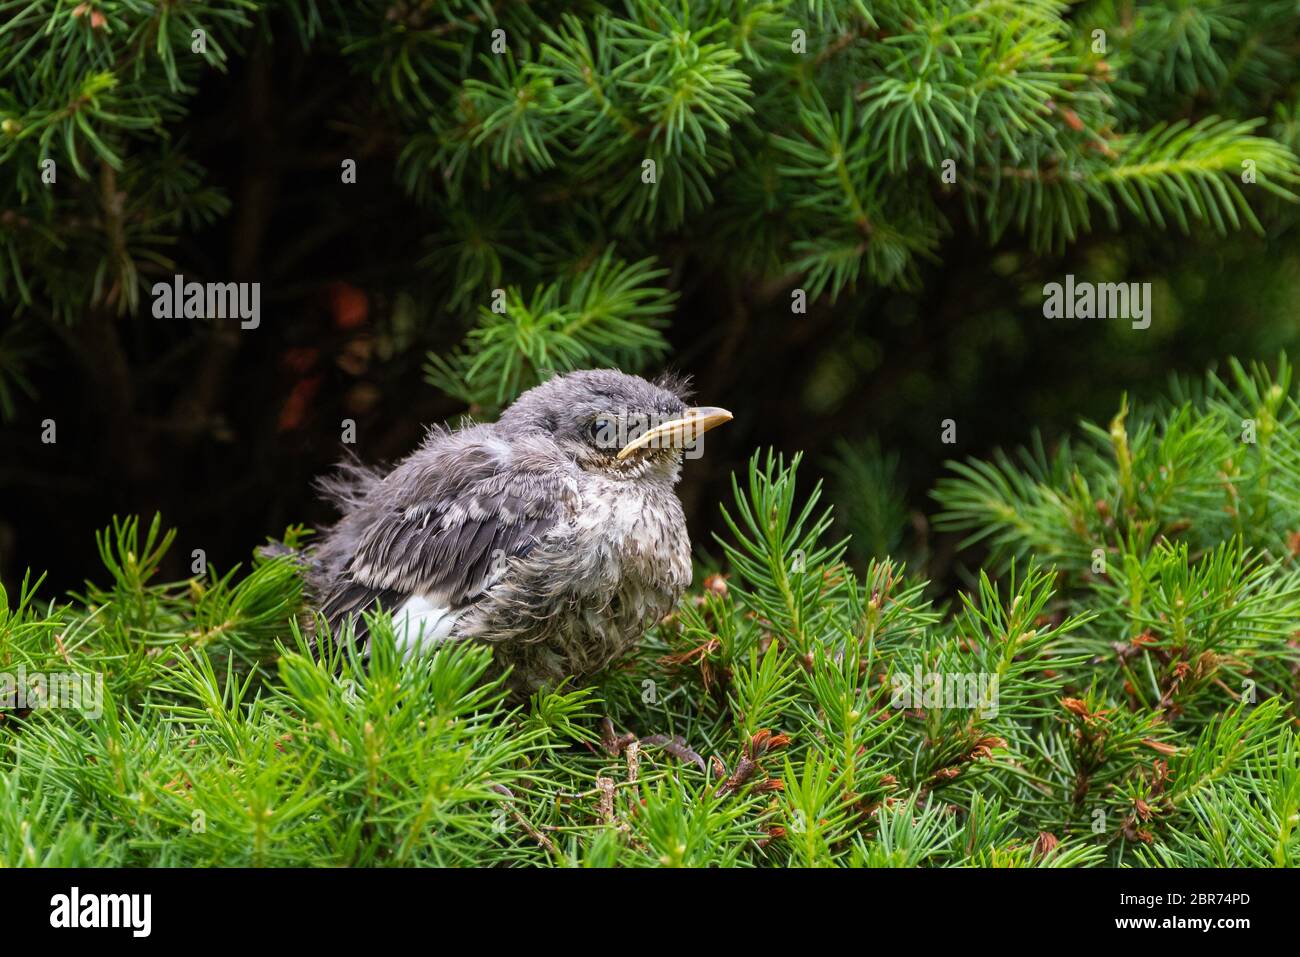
<point>553,535</point>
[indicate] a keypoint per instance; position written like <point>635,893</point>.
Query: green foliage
<point>800,141</point>
<point>1117,683</point>
<point>871,503</point>
<point>797,712</point>
<point>1221,463</point>
<point>608,314</point>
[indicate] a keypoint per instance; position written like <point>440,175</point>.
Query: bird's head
<point>615,423</point>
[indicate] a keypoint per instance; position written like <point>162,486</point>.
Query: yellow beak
<point>678,433</point>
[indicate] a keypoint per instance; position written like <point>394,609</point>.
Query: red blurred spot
<point>295,407</point>
<point>348,305</point>
<point>300,359</point>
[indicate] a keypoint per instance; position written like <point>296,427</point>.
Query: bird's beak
<point>678,433</point>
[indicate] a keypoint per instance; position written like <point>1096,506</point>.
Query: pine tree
<point>1121,691</point>
<point>572,158</point>
<point>1116,682</point>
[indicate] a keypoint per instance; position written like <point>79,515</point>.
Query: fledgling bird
<point>553,534</point>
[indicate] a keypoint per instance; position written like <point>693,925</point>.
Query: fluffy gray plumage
<point>526,533</point>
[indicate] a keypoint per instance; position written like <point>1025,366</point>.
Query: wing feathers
<point>445,521</point>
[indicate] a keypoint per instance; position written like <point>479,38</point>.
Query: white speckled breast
<point>608,575</point>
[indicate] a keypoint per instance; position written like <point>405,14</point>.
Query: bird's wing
<point>444,523</point>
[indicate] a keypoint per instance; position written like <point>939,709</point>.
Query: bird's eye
<point>604,433</point>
